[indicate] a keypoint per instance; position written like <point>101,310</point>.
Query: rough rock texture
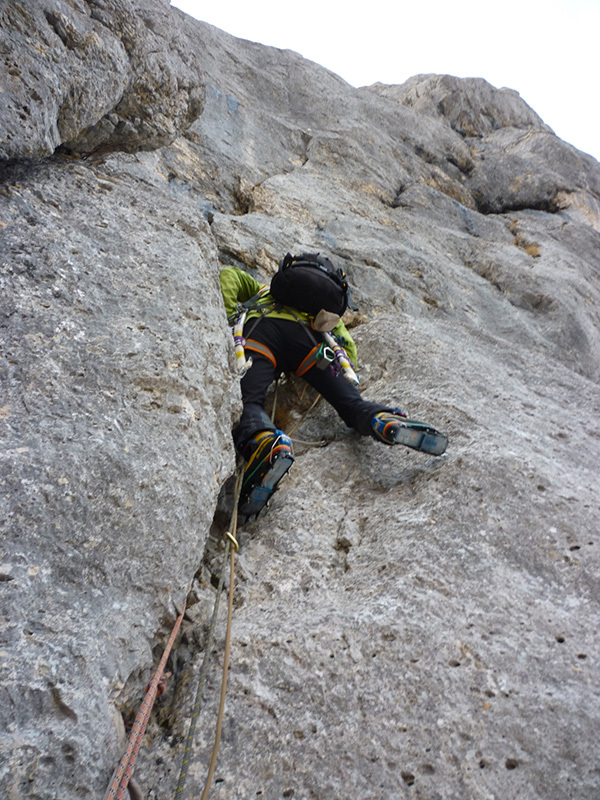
<point>114,371</point>
<point>517,163</point>
<point>94,75</point>
<point>472,108</point>
<point>404,626</point>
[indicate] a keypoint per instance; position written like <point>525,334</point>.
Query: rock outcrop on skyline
<point>404,626</point>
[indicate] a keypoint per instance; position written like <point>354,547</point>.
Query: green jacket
<point>238,287</point>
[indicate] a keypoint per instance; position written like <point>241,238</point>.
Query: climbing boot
<point>268,457</point>
<point>392,427</point>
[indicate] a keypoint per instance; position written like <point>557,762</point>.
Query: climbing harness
<point>122,774</point>
<point>323,354</point>
<point>230,545</point>
<point>259,347</point>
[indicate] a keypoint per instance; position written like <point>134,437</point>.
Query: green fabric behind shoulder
<point>238,287</point>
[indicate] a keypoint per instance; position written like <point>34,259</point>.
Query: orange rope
<point>122,774</point>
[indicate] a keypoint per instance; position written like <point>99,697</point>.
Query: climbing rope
<point>309,443</point>
<point>215,753</point>
<point>122,774</point>
<point>230,544</point>
<point>274,407</point>
<point>314,404</point>
<point>121,777</point>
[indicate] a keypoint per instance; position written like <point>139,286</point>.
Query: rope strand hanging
<point>122,774</point>
<point>230,545</point>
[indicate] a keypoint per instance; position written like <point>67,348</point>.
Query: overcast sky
<point>545,49</point>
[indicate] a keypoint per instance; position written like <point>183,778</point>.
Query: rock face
<point>404,626</point>
<point>94,75</point>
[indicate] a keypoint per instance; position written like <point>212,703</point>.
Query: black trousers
<point>289,343</point>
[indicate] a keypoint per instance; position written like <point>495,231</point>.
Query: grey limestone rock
<point>472,106</point>
<point>89,76</point>
<point>404,626</point>
<point>116,418</point>
<point>516,161</point>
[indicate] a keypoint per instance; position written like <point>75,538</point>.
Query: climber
<point>295,326</point>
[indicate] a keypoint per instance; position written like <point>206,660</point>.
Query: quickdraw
<point>242,364</point>
<point>342,359</point>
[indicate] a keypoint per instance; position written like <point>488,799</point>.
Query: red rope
<point>122,774</point>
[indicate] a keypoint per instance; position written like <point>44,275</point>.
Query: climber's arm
<point>237,287</point>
